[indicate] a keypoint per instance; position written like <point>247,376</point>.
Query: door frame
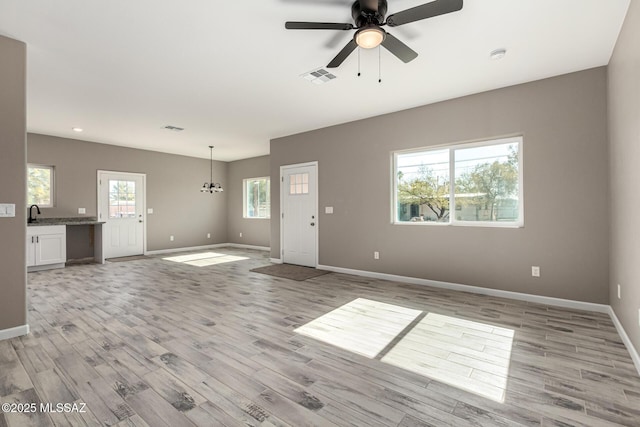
<point>282,189</point>
<point>143,176</point>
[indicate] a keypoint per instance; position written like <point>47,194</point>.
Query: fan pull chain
<point>379,65</point>
<point>358,62</point>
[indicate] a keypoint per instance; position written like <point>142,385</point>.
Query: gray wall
<point>13,271</point>
<point>173,184</point>
<point>563,120</point>
<point>255,231</point>
<point>80,242</point>
<point>624,139</point>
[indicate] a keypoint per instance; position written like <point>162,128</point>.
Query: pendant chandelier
<point>211,187</point>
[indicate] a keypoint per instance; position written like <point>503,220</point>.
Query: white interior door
<point>299,220</point>
<point>121,206</point>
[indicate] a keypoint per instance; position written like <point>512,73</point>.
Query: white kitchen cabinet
<point>46,247</point>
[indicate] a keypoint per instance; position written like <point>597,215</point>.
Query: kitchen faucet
<point>31,217</point>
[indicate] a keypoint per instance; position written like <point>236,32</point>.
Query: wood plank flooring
<point>205,342</point>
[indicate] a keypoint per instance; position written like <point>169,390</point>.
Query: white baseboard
<point>241,246</point>
<point>625,339</point>
<point>18,331</point>
<point>559,302</point>
<point>205,247</point>
<point>275,260</point>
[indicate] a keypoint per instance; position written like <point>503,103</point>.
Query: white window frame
<point>452,149</point>
<point>244,198</point>
<point>52,192</point>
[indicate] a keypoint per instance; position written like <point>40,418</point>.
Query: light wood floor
<point>205,342</point>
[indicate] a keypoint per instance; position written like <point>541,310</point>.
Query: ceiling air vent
<point>318,76</point>
<point>173,128</point>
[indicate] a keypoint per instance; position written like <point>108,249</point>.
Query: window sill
<point>458,224</point>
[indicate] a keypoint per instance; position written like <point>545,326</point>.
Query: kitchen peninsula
<point>56,242</point>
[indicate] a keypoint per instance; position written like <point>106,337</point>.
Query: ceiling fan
<point>369,18</point>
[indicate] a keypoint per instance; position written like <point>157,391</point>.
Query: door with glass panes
<point>121,207</point>
<point>299,219</point>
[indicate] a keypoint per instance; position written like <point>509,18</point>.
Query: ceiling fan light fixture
<point>370,37</point>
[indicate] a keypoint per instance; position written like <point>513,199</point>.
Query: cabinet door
<point>31,251</point>
<point>51,249</point>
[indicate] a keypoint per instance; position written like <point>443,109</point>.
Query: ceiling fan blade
<point>429,10</point>
<point>290,25</point>
<point>369,5</point>
<point>344,53</point>
<point>399,49</point>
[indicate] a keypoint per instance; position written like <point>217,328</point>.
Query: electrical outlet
<point>82,211</point>
<point>376,255</point>
<point>535,271</point>
<point>208,235</point>
<point>240,234</point>
<point>618,290</point>
<point>171,238</point>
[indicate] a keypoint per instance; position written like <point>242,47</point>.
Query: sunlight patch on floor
<point>205,259</point>
<point>465,354</point>
<point>469,355</point>
<point>362,326</point>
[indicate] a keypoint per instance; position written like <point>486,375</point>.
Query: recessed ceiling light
<point>498,54</point>
<point>77,129</point>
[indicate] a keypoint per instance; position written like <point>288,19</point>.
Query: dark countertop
<point>86,220</point>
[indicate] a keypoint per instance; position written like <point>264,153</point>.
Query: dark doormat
<point>290,271</point>
<point>127,258</point>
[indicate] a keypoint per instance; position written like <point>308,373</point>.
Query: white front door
<point>121,206</point>
<point>299,219</point>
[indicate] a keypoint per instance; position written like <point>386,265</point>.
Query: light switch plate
<point>7,210</point>
<point>328,209</point>
<point>150,211</point>
<point>82,211</point>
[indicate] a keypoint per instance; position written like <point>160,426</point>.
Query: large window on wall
<point>40,185</point>
<point>257,198</point>
<point>467,184</point>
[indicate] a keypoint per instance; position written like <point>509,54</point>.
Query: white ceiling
<point>228,71</point>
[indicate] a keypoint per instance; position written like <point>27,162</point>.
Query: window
<point>40,186</point>
<point>299,183</point>
<point>257,198</point>
<point>122,199</point>
<point>486,188</point>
